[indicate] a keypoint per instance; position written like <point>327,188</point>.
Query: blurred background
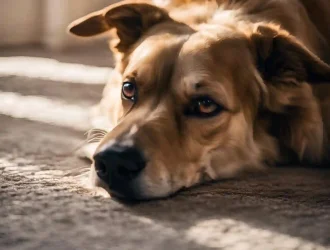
<point>43,21</point>
<point>48,76</point>
<point>38,28</point>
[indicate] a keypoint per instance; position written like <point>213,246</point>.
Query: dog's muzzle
<point>119,167</point>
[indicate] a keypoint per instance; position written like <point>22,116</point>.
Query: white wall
<point>43,21</point>
<point>20,21</point>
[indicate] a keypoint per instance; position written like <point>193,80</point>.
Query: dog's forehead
<point>153,60</point>
<point>195,60</point>
<point>206,51</point>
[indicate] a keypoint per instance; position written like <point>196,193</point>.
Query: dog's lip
<point>114,194</point>
<point>128,195</point>
<point>123,198</point>
<point>134,198</point>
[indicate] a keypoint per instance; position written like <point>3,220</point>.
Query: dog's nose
<point>118,166</point>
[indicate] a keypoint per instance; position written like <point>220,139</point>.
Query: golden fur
<point>263,61</point>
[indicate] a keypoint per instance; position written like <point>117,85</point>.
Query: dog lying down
<point>202,92</point>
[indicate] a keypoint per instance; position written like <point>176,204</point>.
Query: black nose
<point>118,166</point>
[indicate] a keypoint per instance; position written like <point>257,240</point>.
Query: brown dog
<point>202,93</point>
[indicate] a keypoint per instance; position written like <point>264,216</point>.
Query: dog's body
<point>204,97</point>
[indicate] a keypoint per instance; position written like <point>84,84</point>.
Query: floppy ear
<point>281,57</point>
<point>129,19</point>
<point>288,69</point>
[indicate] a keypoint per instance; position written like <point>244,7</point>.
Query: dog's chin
<point>141,189</point>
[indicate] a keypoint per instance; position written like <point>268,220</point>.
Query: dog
<point>206,90</point>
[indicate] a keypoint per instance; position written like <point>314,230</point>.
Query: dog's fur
<point>263,61</point>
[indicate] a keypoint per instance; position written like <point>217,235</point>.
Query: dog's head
<point>194,105</point>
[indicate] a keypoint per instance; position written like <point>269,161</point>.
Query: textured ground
<point>44,205</point>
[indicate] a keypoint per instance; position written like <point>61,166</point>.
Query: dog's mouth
<point>118,189</point>
<point>123,198</point>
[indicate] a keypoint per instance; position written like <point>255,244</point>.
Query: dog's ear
<point>281,57</point>
<point>91,25</point>
<point>288,69</point>
<point>129,19</point>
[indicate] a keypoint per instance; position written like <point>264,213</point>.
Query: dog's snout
<point>118,166</point>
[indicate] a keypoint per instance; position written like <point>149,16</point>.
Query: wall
<point>43,21</point>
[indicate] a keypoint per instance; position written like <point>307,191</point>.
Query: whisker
<point>94,140</point>
<point>96,134</point>
<point>96,130</point>
<point>93,135</point>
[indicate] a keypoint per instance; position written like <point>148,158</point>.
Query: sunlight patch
<point>50,69</point>
<point>233,234</point>
<point>42,109</point>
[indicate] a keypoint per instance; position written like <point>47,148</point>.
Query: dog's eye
<point>129,91</point>
<point>203,107</point>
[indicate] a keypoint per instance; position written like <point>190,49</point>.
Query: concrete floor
<point>44,205</point>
